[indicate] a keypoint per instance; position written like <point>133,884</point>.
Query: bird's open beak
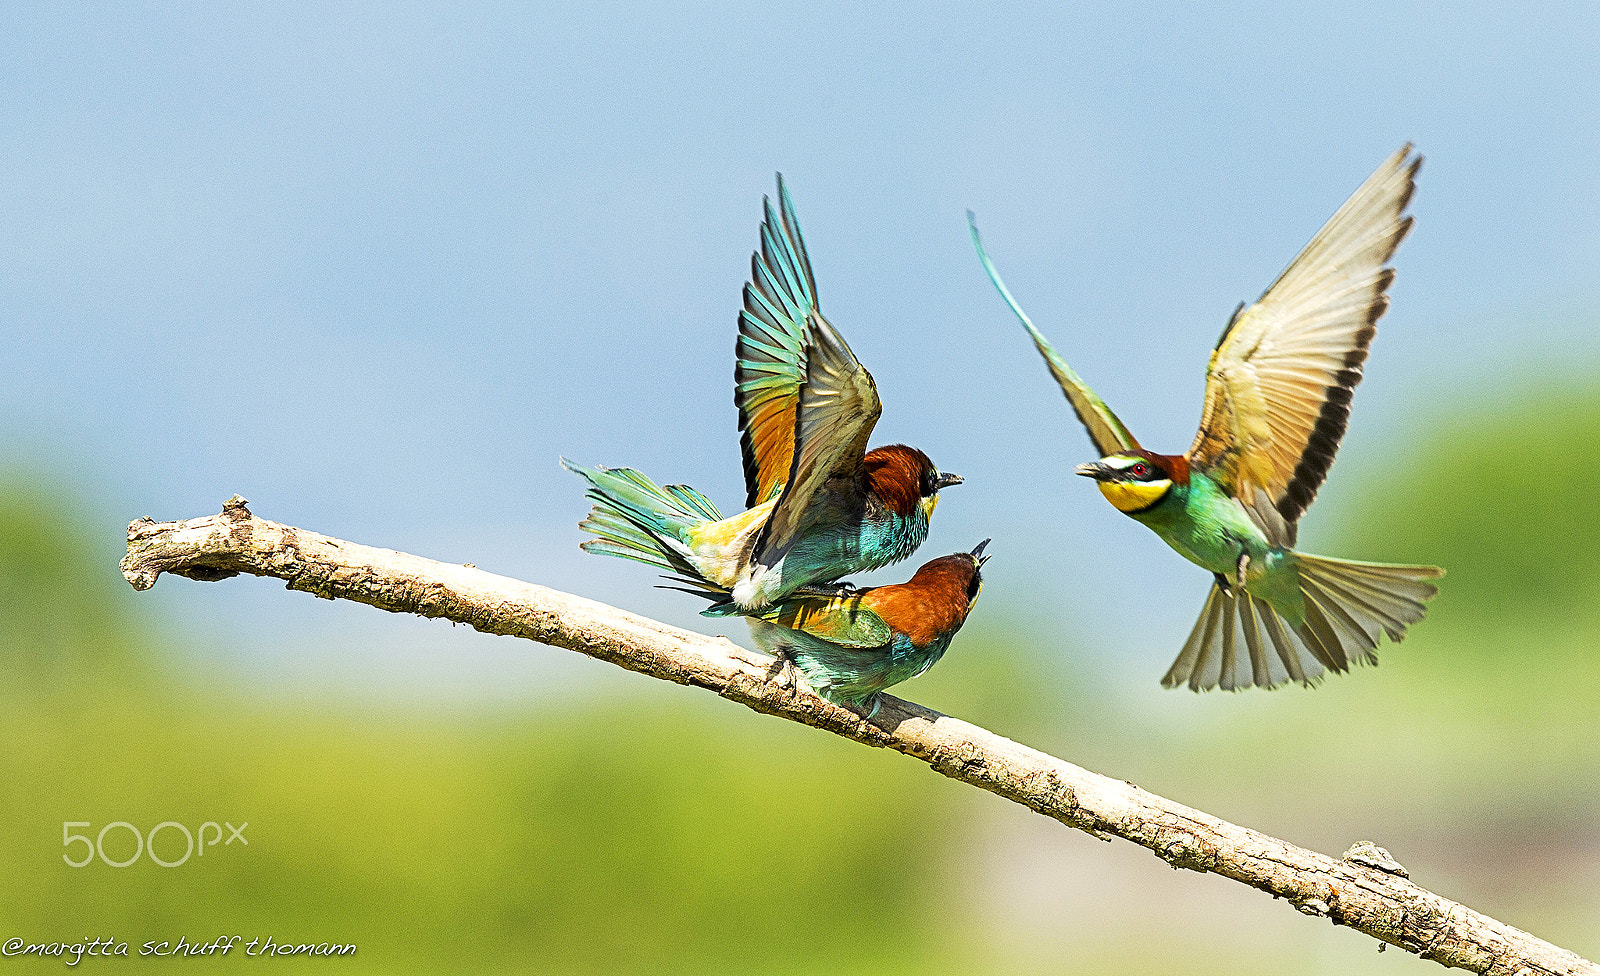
<point>944,480</point>
<point>977,552</point>
<point>1094,469</point>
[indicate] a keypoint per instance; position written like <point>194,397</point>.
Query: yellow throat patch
<point>1131,496</point>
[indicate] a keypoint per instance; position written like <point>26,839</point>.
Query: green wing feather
<point>770,358</point>
<point>1105,430</point>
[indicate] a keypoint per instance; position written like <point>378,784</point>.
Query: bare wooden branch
<point>1365,890</point>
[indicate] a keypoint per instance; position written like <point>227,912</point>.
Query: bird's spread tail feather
<point>1240,641</point>
<point>634,518</point>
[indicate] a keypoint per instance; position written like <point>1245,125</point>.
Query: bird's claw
<point>830,591</point>
<point>1228,586</point>
<point>781,673</point>
<point>868,707</point>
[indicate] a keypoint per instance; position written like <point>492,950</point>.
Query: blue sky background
<point>376,266</point>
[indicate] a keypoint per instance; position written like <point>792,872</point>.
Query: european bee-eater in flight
<point>819,505</point>
<point>1278,393</point>
<point>852,646</point>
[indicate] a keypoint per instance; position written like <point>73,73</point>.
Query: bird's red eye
<point>1141,470</point>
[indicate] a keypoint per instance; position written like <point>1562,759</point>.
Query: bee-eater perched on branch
<point>819,505</point>
<point>852,645</point>
<point>1278,393</point>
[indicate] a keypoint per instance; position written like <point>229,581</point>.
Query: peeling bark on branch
<point>1366,890</point>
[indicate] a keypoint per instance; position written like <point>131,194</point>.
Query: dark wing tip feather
<point>752,469</point>
<point>1404,230</point>
<point>1321,447</point>
<point>1380,304</point>
<point>1333,420</point>
<point>747,444</point>
<point>1411,181</point>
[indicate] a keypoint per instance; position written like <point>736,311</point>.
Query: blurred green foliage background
<point>375,266</point>
<point>656,829</point>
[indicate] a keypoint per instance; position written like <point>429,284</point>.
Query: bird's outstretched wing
<point>770,365</point>
<point>839,620</point>
<point>1279,385</point>
<point>838,408</point>
<point>1105,430</point>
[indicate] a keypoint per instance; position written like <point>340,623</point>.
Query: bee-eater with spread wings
<point>1278,394</point>
<point>819,505</point>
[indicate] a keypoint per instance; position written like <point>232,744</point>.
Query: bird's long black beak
<point>945,479</point>
<point>1094,469</point>
<point>977,552</point>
